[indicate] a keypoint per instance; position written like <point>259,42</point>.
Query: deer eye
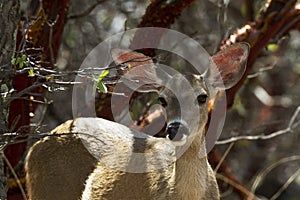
<point>202,98</point>
<point>162,101</point>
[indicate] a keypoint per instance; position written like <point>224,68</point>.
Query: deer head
<point>184,97</point>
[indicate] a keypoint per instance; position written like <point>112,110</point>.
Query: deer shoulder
<point>58,165</point>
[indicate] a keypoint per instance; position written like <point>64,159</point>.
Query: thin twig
<point>287,27</point>
<point>51,25</point>
<point>285,185</point>
<point>260,71</point>
<point>38,68</point>
<point>23,92</point>
<point>263,173</point>
<point>87,11</point>
<point>250,196</point>
<point>15,176</point>
<point>223,157</point>
<point>292,125</point>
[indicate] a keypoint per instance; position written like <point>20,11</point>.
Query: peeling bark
<point>9,21</point>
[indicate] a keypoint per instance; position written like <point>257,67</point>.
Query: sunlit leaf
<point>273,47</point>
<point>103,75</point>
<point>102,87</point>
<point>31,73</point>
<point>48,78</point>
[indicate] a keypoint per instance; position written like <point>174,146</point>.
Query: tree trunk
<point>9,22</point>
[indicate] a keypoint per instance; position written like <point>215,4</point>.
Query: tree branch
<point>291,126</point>
<point>275,18</point>
<point>9,20</point>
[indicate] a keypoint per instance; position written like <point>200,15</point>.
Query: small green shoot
<point>100,85</point>
<point>31,73</point>
<point>103,75</point>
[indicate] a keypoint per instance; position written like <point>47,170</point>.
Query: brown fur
<point>57,166</point>
<point>188,178</point>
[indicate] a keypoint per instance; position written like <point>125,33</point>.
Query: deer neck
<point>192,170</point>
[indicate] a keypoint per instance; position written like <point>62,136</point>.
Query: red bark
<point>52,13</point>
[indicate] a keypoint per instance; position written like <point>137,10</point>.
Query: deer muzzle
<point>177,131</point>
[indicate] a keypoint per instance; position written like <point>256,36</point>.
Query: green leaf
<point>103,74</point>
<point>273,47</point>
<point>99,84</point>
<point>21,64</point>
<point>102,87</point>
<point>24,57</point>
<point>31,73</point>
<point>19,60</point>
<point>26,63</point>
<point>13,61</point>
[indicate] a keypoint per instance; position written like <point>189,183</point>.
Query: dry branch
<point>275,21</point>
<point>275,18</point>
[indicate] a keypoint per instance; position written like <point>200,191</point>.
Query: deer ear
<point>228,66</point>
<point>143,75</point>
<point>129,57</point>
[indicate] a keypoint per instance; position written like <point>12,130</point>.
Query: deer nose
<point>176,131</point>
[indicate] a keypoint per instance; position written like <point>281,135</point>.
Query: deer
<point>94,158</point>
